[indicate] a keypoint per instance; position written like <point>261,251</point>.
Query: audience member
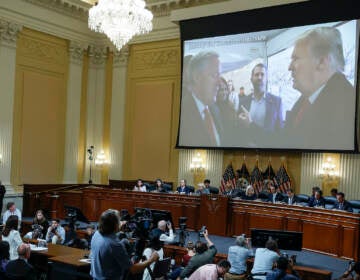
<point>341,203</point>
<point>139,187</point>
<point>282,267</point>
<point>90,230</point>
<point>237,256</point>
<point>291,197</point>
<point>183,188</point>
<point>12,236</point>
<point>20,268</point>
<point>250,193</point>
<point>109,259</point>
<point>348,274</point>
<point>274,195</point>
<point>12,210</point>
<point>4,255</point>
<point>265,259</point>
<point>160,232</point>
<point>190,253</point>
<point>211,271</point>
<point>2,194</point>
<point>155,245</point>
<point>333,192</point>
<point>204,255</point>
<point>39,226</point>
<point>55,233</point>
<point>71,239</point>
<point>317,200</point>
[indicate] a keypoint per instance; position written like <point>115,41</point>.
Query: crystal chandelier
<point>120,20</point>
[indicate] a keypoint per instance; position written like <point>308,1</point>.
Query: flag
<point>269,175</point>
<point>256,179</point>
<point>282,179</point>
<point>243,177</point>
<point>229,176</point>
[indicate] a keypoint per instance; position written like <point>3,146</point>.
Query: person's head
<point>200,247</point>
<point>334,192</point>
<point>272,189</point>
<point>55,223</point>
<point>24,251</point>
<point>318,194</point>
<point>90,229</point>
<point>206,183</point>
<point>259,78</point>
<point>317,55</point>
<point>12,222</point>
<point>11,206</point>
<point>204,74</point>
<point>162,225</point>
<point>315,189</point>
<point>182,182</point>
<point>40,215</point>
<point>155,243</point>
<point>4,250</point>
<point>139,182</point>
<point>158,182</point>
<point>241,241</point>
<point>223,267</point>
<point>242,91</point>
<point>290,192</point>
<point>271,244</point>
<point>282,263</point>
<point>109,222</point>
<point>340,197</point>
<point>249,190</point>
<point>190,245</point>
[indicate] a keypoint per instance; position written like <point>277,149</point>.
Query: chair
<point>303,199</point>
<point>150,188</point>
<point>214,190</point>
<point>263,196</point>
<point>167,187</point>
<point>191,188</point>
<point>355,205</point>
<point>161,269</point>
<point>330,199</point>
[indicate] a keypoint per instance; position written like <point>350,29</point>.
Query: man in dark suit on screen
<point>200,121</point>
<point>327,97</point>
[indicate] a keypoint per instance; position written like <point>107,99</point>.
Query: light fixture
<point>328,168</point>
<point>120,20</point>
<point>101,158</point>
<point>197,165</point>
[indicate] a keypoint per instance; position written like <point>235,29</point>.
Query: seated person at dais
<point>55,233</point>
<point>282,267</point>
<point>274,195</point>
<point>12,236</point>
<point>183,188</point>
<point>159,186</point>
<point>202,189</point>
<point>139,187</point>
<point>250,193</point>
<point>265,259</point>
<point>237,256</point>
<point>291,198</point>
<point>39,226</point>
<point>341,203</point>
<point>317,200</point>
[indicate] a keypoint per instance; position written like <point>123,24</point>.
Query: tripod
<point>183,234</point>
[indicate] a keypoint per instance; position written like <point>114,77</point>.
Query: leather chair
<point>329,201</point>
<point>304,199</point>
<point>191,188</point>
<point>263,196</point>
<point>167,187</point>
<point>355,204</point>
<point>214,190</point>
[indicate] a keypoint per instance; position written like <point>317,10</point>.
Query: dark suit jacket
<point>273,111</point>
<point>278,197</point>
<point>193,128</point>
<point>336,104</point>
<point>20,269</point>
<point>346,206</point>
<point>295,199</point>
<point>186,190</point>
<point>318,203</point>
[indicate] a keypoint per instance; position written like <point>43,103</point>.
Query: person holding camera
<point>282,267</point>
<point>55,233</point>
<point>237,256</point>
<point>348,274</point>
<point>39,226</point>
<point>205,253</point>
<point>265,259</point>
<point>160,231</point>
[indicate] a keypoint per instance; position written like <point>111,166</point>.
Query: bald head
<point>24,251</point>
<point>162,225</point>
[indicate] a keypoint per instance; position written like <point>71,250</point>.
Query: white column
<point>8,37</point>
<point>95,106</point>
<point>117,121</point>
<point>76,52</point>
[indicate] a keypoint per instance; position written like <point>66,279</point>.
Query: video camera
<point>37,231</point>
<point>202,231</point>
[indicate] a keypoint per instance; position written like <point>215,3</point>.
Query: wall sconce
<point>329,168</point>
<point>329,173</point>
<point>101,159</point>
<point>197,164</point>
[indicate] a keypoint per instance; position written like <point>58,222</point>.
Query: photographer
<point>204,255</point>
<point>160,231</point>
<point>282,267</point>
<point>55,233</point>
<point>39,226</point>
<point>348,274</point>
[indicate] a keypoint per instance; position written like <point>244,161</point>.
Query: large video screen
<point>284,88</point>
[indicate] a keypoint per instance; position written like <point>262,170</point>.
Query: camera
<point>202,231</point>
<point>351,265</point>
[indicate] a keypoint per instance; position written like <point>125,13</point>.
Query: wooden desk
<point>331,232</point>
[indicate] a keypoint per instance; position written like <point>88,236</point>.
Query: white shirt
<point>7,214</point>
<point>316,94</point>
<point>147,253</point>
<point>167,238</point>
<point>14,241</point>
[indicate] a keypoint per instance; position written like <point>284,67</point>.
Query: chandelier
<point>120,20</point>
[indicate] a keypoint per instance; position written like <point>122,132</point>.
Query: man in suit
<point>20,268</point>
<point>327,97</point>
<point>183,188</point>
<point>274,196</point>
<point>317,200</point>
<point>200,123</point>
<point>291,197</point>
<point>341,203</point>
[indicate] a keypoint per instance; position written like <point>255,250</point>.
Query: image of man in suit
<point>260,112</point>
<point>341,203</point>
<point>327,98</point>
<point>199,123</point>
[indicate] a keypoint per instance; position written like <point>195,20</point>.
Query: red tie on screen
<point>210,126</point>
<point>300,115</point>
